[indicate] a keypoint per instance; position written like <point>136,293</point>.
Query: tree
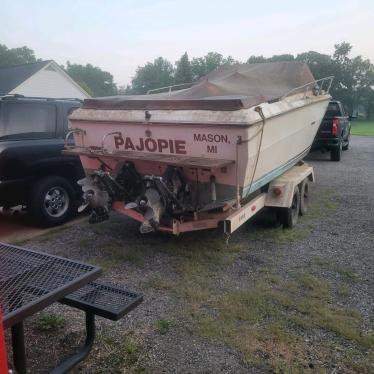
<point>354,79</point>
<point>183,71</point>
<point>124,90</point>
<point>320,65</point>
<point>16,56</point>
<point>275,58</point>
<point>156,74</point>
<point>256,59</point>
<point>363,83</point>
<point>203,65</point>
<point>341,53</point>
<point>283,57</point>
<point>92,79</point>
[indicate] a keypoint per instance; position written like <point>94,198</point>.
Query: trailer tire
<point>346,143</point>
<point>304,197</point>
<point>289,216</point>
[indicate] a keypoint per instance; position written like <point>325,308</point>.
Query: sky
<point>118,36</point>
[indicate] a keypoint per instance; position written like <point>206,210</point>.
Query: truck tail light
<point>334,129</point>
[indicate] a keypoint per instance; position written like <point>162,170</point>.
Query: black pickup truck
<point>33,172</point>
<point>334,131</point>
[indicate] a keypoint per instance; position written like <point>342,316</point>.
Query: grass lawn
<point>364,128</point>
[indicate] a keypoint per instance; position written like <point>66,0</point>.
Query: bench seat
<point>104,300</point>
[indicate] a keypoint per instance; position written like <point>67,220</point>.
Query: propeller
<point>149,213</point>
<point>146,228</point>
<point>83,207</point>
<point>131,205</point>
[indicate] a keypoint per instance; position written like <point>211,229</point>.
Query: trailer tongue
<point>204,156</point>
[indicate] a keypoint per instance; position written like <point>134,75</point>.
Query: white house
<point>40,79</point>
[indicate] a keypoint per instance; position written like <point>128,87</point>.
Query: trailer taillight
<point>334,129</point>
<point>277,191</point>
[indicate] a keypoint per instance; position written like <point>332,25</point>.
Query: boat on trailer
<point>192,158</point>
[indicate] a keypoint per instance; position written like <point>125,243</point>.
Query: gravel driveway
<point>272,300</point>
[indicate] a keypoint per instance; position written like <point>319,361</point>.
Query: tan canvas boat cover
<point>230,87</point>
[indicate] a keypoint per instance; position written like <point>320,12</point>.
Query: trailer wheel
<point>289,216</point>
<point>304,197</point>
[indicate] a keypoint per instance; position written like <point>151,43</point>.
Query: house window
<point>27,120</point>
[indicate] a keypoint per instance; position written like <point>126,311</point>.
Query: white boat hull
<point>286,135</point>
<point>286,139</point>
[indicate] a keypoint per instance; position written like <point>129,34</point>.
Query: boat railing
<point>68,145</point>
<point>171,88</point>
<point>318,87</point>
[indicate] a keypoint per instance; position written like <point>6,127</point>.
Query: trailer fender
<point>282,189</point>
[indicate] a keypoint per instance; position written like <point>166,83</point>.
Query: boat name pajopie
<point>150,145</point>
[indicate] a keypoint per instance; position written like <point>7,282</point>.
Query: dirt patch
<point>17,227</point>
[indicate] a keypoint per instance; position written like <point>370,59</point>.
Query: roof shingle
<point>12,76</point>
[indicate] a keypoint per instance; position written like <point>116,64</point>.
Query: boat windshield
<point>19,120</point>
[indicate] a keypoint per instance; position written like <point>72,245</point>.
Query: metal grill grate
<point>28,279</point>
<point>104,300</point>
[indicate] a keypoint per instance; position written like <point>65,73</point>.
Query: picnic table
<point>29,282</point>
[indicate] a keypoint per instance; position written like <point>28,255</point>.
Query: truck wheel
<point>336,153</point>
<point>288,216</point>
<point>52,201</point>
<point>304,197</point>
<point>346,144</point>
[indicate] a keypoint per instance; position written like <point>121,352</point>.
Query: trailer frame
<point>279,194</point>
